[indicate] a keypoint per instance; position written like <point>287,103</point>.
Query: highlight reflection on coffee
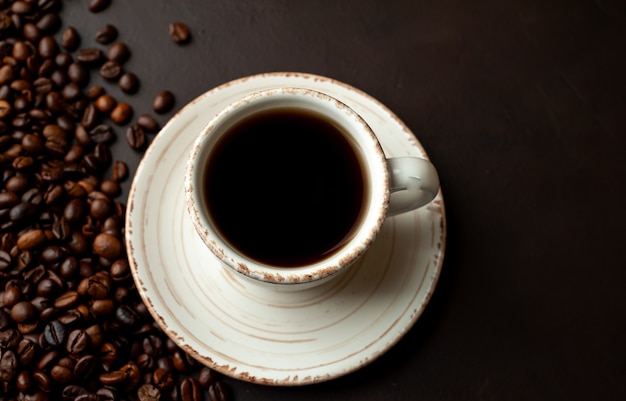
<point>285,187</point>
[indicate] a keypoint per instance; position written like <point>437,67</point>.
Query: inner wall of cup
<point>373,165</point>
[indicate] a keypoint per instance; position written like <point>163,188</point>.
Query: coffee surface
<point>285,187</point>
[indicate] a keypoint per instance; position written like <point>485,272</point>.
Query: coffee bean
<point>59,79</point>
<point>23,211</point>
<point>133,374</point>
<point>99,285</point>
<point>22,7</point>
<point>5,260</point>
<point>5,109</point>
<point>56,146</point>
<point>8,365</point>
<point>22,50</point>
<point>153,346</point>
<point>16,184</point>
<point>71,90</point>
<point>103,307</point>
<point>7,74</point>
<point>105,103</point>
<point>48,359</point>
<point>69,268</point>
<point>94,92</point>
<point>72,157</point>
<point>48,47</point>
<point>74,211</point>
<point>31,239</point>
<point>37,274</point>
<point>23,381</point>
<point>26,351</point>
<point>49,23</point>
<point>90,56</point>
<point>121,113</point>
<point>77,342</point>
<point>128,83</point>
<point>145,363</point>
<point>55,333</point>
<point>20,106</point>
<point>120,270</point>
<point>179,32</point>
<point>72,392</point>
<point>48,288</point>
<point>77,72</point>
<point>63,60</point>
<point>219,392</point>
<point>53,130</point>
<point>10,338</point>
<point>163,379</point>
<point>106,35</point>
<point>100,208</point>
<point>163,102</point>
<point>148,123</point>
<point>25,259</point>
<point>107,246</point>
<point>91,118</point>
<point>32,144</point>
<point>96,335</point>
<point>118,52</point>
<point>126,316</point>
<point>31,32</point>
<point>95,6</point>
<point>165,362</point>
<point>102,133</point>
<point>112,378</point>
<point>67,300</point>
<point>102,152</point>
<point>61,374</point>
<point>22,312</point>
<point>179,361</point>
<point>110,70</point>
<point>136,137</point>
<point>74,190</point>
<point>70,39</point>
<point>22,162</point>
<point>120,173</point>
<point>9,199</point>
<point>42,381</point>
<point>77,243</point>
<point>85,367</point>
<point>53,194</point>
<point>42,85</point>
<point>148,392</point>
<point>190,390</point>
<point>110,187</point>
<point>52,254</point>
<point>6,24</point>
<point>206,377</point>
<point>11,296</point>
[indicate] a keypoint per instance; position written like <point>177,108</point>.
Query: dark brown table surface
<point>522,107</point>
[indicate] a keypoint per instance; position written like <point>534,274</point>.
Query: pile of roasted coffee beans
<point>72,325</point>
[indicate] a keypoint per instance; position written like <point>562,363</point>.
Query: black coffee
<point>285,187</point>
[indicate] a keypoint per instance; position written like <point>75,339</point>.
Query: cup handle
<point>414,183</point>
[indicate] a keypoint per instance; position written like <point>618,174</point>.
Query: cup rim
<point>315,273</point>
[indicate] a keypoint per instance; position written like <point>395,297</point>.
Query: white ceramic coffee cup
<point>413,179</point>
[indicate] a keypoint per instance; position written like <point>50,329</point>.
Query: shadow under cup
<point>287,186</point>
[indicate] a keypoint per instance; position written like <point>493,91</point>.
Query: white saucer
<point>268,336</point>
